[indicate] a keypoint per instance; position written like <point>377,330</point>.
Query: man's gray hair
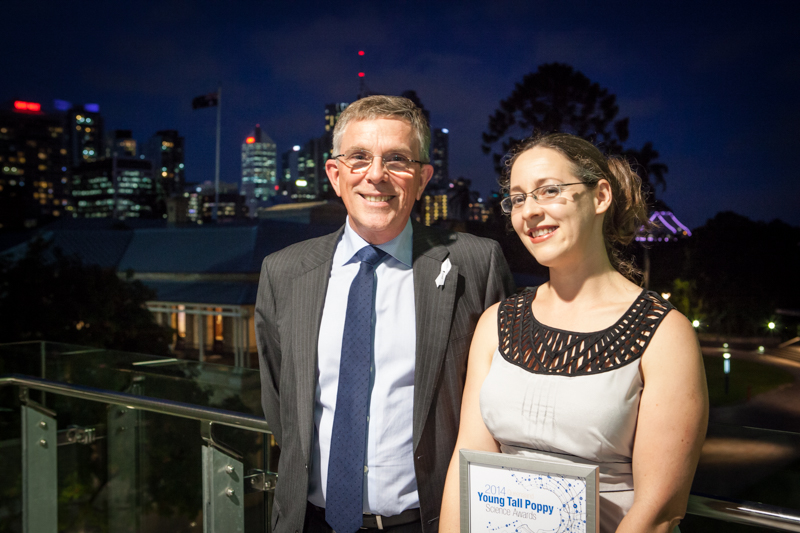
<point>381,106</point>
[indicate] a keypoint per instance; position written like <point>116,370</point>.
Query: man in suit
<point>363,338</point>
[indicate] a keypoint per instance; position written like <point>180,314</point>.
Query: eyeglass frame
<point>383,161</point>
<point>533,195</point>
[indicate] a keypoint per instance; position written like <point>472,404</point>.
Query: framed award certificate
<point>503,493</point>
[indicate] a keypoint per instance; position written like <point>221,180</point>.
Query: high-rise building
<point>332,112</point>
<point>198,201</point>
<point>434,207</point>
<point>85,134</point>
<point>120,143</point>
<point>439,158</point>
<point>33,166</point>
<point>165,150</point>
<point>312,181</point>
<point>117,187</point>
<point>259,173</point>
<point>289,161</point>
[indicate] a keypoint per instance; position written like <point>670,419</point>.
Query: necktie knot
<point>370,255</point>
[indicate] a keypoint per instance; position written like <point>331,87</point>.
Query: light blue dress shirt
<point>390,485</point>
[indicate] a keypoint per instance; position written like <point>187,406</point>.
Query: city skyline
<point>711,90</point>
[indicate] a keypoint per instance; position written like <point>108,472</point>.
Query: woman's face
<point>565,229</point>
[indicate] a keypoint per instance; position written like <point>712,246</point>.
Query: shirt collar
<point>400,247</point>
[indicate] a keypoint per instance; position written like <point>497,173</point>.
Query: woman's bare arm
<point>472,432</point>
<point>671,428</point>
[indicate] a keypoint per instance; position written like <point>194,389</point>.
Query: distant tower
<point>85,134</point>
<point>362,87</point>
<point>165,150</point>
<point>259,174</point>
<point>439,158</point>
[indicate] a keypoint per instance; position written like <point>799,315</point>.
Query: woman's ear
<point>602,196</point>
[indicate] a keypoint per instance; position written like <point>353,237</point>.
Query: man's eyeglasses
<point>359,161</point>
<point>541,195</point>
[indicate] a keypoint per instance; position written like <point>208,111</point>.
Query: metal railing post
<point>123,468</point>
<point>223,487</point>
<point>39,468</point>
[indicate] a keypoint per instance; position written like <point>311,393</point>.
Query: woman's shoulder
<point>674,342</point>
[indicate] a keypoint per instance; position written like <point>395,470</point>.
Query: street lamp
<point>695,323</point>
<point>771,325</point>
<point>726,368</point>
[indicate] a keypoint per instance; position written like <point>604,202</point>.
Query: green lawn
<point>757,376</point>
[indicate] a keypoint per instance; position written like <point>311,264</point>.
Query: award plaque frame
<point>502,493</point>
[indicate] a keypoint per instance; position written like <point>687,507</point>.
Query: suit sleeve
<point>269,351</point>
<point>500,283</point>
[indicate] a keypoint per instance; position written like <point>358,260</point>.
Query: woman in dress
<point>588,367</point>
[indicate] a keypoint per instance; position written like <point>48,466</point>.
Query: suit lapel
<point>434,311</point>
<point>308,299</point>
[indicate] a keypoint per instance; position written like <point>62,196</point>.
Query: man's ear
<point>425,177</point>
<point>602,197</point>
<point>332,170</point>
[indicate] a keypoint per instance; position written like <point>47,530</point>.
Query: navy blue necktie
<point>346,468</point>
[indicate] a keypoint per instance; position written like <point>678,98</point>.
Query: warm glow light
<point>696,323</point>
<point>666,295</point>
<point>301,183</point>
<point>726,355</point>
<point>250,140</point>
<point>34,107</point>
<point>771,325</point>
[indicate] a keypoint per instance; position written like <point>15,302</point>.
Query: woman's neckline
<point>626,313</point>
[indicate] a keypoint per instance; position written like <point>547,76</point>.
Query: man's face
<point>379,202</point>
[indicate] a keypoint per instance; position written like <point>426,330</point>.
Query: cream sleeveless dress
<point>571,397</point>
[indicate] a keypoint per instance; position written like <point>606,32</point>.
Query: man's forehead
<point>398,128</point>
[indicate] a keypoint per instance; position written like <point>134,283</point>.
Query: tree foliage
<point>557,98</point>
<point>734,274</point>
<point>745,270</point>
<point>46,295</point>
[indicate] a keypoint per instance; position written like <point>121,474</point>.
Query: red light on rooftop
<point>361,52</point>
<point>360,74</point>
<point>250,140</point>
<point>277,187</point>
<point>34,107</point>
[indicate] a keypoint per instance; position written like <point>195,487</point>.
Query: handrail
<point>167,407</point>
<point>742,512</point>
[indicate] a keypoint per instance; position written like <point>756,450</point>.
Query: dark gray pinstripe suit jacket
<point>291,294</point>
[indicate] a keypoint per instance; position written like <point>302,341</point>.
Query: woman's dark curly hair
<point>628,210</point>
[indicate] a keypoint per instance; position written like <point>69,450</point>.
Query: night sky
<point>715,86</point>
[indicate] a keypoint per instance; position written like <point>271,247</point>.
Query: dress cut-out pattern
<point>529,344</point>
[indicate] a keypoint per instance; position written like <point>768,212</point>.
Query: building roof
<point>209,249</point>
<point>212,293</point>
<point>225,250</point>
